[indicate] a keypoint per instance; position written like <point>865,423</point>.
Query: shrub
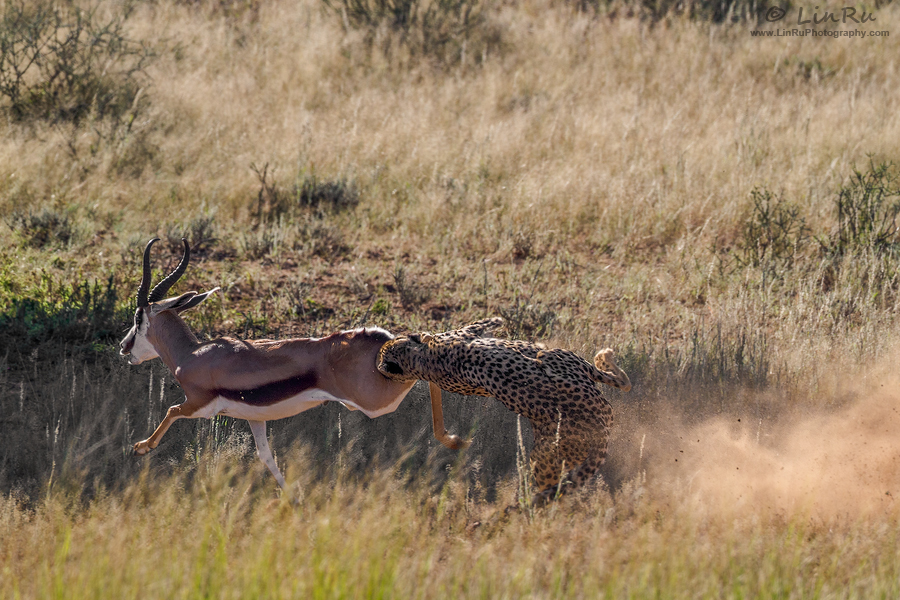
<point>864,248</point>
<point>261,242</point>
<point>77,314</point>
<point>412,294</point>
<point>773,233</point>
<point>329,195</point>
<point>200,231</point>
<point>307,193</point>
<point>864,245</point>
<point>45,228</point>
<point>531,321</point>
<point>319,237</point>
<point>61,63</point>
<point>233,11</point>
<point>717,11</point>
<point>867,210</point>
<point>441,30</point>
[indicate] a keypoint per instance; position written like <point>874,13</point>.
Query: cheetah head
<point>399,358</point>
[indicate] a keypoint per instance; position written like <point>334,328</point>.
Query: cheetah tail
<point>608,372</point>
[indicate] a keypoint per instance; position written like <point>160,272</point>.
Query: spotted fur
<point>555,389</point>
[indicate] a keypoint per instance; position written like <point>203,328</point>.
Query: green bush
<point>80,314</point>
<point>59,62</point>
<point>867,210</point>
<point>861,250</point>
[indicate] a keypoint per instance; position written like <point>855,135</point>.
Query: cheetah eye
<point>393,368</point>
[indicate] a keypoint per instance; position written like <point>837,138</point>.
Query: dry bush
<point>47,227</point>
<point>440,31</point>
<point>412,293</point>
<point>61,62</point>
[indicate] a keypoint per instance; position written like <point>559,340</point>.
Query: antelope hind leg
<point>258,428</point>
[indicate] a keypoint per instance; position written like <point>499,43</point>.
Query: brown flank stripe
<point>271,393</point>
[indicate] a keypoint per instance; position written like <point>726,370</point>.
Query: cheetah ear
<point>427,338</point>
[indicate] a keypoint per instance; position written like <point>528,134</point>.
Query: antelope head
<point>137,344</point>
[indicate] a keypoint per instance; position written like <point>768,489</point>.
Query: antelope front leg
<point>454,442</point>
<point>173,414</point>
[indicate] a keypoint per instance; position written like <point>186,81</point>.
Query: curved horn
<point>145,278</point>
<point>162,288</point>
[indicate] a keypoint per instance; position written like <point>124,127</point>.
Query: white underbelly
<point>377,412</point>
<point>287,407</point>
<point>269,412</point>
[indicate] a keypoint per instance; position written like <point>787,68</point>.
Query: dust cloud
<point>840,463</point>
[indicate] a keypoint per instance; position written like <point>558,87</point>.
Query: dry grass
<point>589,177</point>
<point>214,530</point>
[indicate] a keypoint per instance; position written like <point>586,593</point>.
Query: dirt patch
<point>843,463</point>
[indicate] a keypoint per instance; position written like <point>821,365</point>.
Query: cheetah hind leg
<point>573,480</point>
<point>546,468</point>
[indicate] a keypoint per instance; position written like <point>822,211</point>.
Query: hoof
<point>142,448</point>
<point>454,442</point>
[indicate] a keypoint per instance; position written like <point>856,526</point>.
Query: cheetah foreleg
<point>454,442</point>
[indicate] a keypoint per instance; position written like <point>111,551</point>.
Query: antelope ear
<point>171,303</point>
<point>194,300</point>
<point>181,303</point>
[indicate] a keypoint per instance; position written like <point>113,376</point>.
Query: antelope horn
<point>162,288</point>
<point>145,278</point>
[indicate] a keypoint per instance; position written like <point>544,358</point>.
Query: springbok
<point>256,380</point>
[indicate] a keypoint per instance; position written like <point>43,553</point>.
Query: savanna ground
<point>719,208</point>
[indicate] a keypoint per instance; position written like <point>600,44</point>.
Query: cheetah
<point>554,389</point>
